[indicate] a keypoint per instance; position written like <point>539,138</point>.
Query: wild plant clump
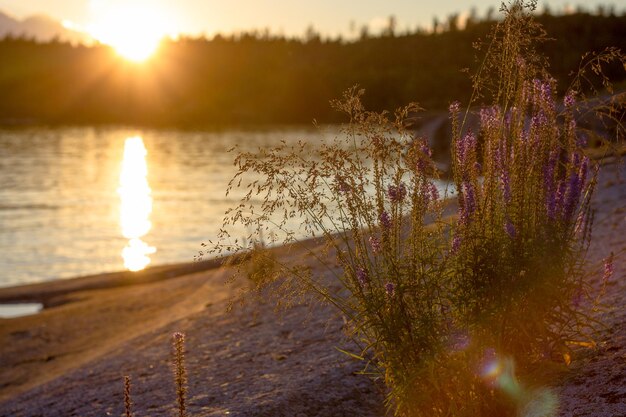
<point>524,223</point>
<point>443,306</point>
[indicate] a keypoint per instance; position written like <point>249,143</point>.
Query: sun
<point>133,30</point>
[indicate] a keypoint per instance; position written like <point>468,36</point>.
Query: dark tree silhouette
<point>256,77</point>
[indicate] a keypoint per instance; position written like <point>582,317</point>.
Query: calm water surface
<point>79,201</point>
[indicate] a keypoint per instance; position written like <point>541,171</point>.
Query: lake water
<point>72,200</point>
<point>80,201</point>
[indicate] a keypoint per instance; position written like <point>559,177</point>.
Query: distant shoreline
<point>51,293</point>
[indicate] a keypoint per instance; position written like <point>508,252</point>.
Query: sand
<point>69,360</point>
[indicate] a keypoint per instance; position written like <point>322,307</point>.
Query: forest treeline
<point>257,78</point>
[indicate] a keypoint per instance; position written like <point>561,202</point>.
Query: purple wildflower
<point>375,244</point>
<point>420,166</point>
<point>425,149</point>
<point>524,136</point>
<point>574,190</point>
<point>423,155</point>
<point>575,186</point>
<point>465,145</point>
<point>569,100</point>
<point>362,276</point>
<point>469,202</point>
<point>546,90</point>
<point>390,289</point>
<point>505,183</point>
<point>548,169</point>
<point>509,229</point>
<point>470,198</point>
<point>537,122</point>
<point>396,193</point>
<point>429,193</point>
<point>434,192</point>
<point>542,93</point>
<point>456,243</point>
<point>489,117</point>
<point>385,220</point>
<point>500,154</point>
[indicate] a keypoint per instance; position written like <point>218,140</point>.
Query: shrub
<point>368,193</point>
<point>444,308</point>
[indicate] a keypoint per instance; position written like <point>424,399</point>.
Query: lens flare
<point>135,204</point>
<point>499,372</point>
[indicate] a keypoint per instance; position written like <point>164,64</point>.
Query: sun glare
<point>133,30</point>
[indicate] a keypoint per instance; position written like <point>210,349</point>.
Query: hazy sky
<point>290,17</point>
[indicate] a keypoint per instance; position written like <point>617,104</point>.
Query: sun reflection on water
<point>135,204</point>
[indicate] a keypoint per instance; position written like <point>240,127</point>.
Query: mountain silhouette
<point>41,28</point>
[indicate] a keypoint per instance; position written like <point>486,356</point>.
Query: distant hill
<point>40,28</point>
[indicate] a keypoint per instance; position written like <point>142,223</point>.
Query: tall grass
<point>447,310</point>
<point>127,397</point>
<point>180,379</point>
<point>180,372</point>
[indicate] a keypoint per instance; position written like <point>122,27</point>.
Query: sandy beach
<point>69,359</point>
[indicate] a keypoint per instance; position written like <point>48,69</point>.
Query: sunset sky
<point>330,17</point>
